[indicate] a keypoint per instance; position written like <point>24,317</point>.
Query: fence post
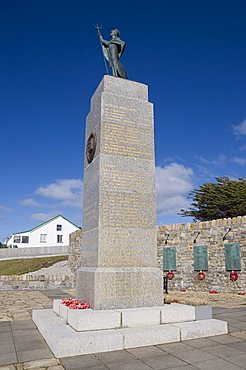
<point>165,284</point>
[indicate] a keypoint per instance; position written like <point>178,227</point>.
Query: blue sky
<point>191,54</point>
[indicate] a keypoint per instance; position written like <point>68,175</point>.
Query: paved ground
<point>22,347</point>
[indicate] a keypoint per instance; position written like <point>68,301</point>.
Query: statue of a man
<point>112,51</point>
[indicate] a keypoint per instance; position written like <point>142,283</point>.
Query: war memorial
<point>125,289</point>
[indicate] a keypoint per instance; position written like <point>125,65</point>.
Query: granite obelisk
<point>119,252</point>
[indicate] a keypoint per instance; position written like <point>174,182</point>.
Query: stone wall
<point>211,234</point>
<point>36,282</point>
<point>182,236</point>
<point>74,258</point>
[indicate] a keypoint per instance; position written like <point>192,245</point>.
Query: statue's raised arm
<point>112,51</point>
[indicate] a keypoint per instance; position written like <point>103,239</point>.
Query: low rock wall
<point>214,234</point>
<point>36,282</point>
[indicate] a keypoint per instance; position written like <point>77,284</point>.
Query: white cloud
<point>240,129</point>
<point>222,160</point>
<point>45,216</point>
<point>68,191</point>
<point>239,160</point>
<point>242,148</point>
<point>5,209</point>
<point>173,183</point>
<point>30,202</point>
<point>204,173</point>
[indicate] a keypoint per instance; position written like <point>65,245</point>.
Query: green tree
<point>225,198</point>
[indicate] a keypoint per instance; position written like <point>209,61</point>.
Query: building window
<point>17,239</point>
<point>43,238</point>
<point>25,239</point>
<point>59,238</point>
<point>59,227</point>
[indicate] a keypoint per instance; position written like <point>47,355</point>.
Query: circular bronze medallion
<point>91,147</point>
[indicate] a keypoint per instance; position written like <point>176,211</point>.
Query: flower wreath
<point>75,304</point>
<point>201,275</point>
<point>234,275</point>
<point>170,275</point>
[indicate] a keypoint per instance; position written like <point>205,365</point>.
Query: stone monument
<point>119,250</point>
<point>119,276</point>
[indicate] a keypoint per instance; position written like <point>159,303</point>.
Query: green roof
<point>44,223</point>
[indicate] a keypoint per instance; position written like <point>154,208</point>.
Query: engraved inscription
<point>127,140</point>
<point>90,210</point>
<point>128,210</point>
<point>124,135</point>
<point>90,241</point>
<point>122,247</point>
<point>127,114</point>
<point>129,285</point>
<point>115,178</point>
<point>90,216</point>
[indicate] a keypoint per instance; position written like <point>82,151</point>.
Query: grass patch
<point>24,265</point>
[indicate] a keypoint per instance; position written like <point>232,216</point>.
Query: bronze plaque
<point>232,257</point>
<point>91,147</point>
<point>200,253</point>
<point>169,259</point>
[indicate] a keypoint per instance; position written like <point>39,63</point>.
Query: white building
<point>53,232</point>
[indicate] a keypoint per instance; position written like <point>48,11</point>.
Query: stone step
<point>177,312</point>
<point>201,328</point>
<point>64,341</point>
<point>82,320</point>
<point>149,335</point>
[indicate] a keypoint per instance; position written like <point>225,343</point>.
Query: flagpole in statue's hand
<point>99,34</point>
<point>98,29</point>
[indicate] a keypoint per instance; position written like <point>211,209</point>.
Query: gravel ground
<point>228,300</point>
<point>59,268</point>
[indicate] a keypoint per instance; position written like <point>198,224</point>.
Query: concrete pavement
<point>22,347</point>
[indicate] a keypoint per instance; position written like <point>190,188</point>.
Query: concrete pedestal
<point>71,332</point>
<point>119,250</point>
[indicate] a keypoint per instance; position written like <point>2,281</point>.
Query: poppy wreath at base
<point>170,275</point>
<point>201,275</point>
<point>75,304</point>
<point>234,275</point>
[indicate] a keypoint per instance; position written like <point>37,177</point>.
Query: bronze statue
<point>112,51</point>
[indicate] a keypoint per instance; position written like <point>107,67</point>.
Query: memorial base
<point>71,332</point>
<point>125,287</point>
